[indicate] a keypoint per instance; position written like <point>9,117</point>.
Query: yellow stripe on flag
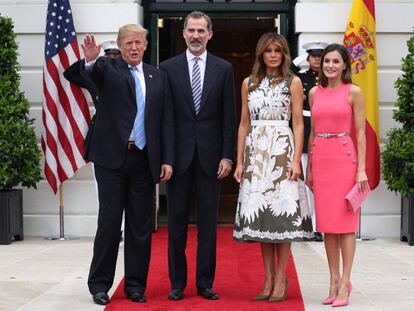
<point>360,42</point>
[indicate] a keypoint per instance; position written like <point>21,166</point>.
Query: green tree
<point>398,157</point>
<point>19,152</point>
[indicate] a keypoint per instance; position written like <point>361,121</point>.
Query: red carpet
<point>239,277</point>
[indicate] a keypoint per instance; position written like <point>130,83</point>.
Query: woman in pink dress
<point>336,165</point>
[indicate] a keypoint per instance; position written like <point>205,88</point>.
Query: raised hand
<point>90,49</point>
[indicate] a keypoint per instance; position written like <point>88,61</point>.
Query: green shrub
<point>19,152</point>
<point>398,156</point>
<point>398,161</point>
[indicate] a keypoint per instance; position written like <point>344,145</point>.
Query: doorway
<point>234,39</point>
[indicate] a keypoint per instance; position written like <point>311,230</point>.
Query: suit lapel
<point>184,78</point>
<point>148,87</point>
<point>209,79</point>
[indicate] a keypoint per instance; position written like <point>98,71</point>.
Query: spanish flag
<point>360,42</point>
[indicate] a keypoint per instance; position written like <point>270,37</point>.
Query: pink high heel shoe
<point>328,301</point>
<point>343,302</point>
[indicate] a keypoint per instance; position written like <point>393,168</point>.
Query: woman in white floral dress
<point>272,206</point>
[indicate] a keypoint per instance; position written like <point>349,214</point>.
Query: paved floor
<point>41,275</point>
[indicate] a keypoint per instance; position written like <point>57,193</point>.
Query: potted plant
<point>19,152</point>
<point>398,156</point>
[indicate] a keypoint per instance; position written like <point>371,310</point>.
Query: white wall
<point>315,20</point>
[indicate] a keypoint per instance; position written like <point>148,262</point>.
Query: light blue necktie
<point>139,123</point>
<point>196,85</point>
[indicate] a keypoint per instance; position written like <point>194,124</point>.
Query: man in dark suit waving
<point>132,148</point>
<point>202,89</point>
<point>73,72</point>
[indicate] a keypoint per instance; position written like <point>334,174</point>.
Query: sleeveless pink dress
<point>334,161</point>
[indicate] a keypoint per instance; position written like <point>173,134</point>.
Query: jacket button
<point>344,142</point>
<point>348,152</point>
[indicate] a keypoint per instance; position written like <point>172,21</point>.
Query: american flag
<point>65,113</point>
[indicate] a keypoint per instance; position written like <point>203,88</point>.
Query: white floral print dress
<point>270,207</point>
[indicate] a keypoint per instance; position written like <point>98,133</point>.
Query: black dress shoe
<point>101,298</point>
<point>318,237</point>
<point>136,297</point>
<point>207,293</point>
<point>176,294</point>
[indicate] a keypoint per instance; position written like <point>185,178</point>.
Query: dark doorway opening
<point>234,39</point>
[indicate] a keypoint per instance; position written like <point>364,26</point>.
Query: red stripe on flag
<point>75,48</point>
<point>50,176</point>
<point>372,156</point>
<point>52,147</point>
<point>63,139</point>
<point>65,104</point>
<point>81,102</point>
<point>372,162</point>
<point>370,6</point>
<point>61,174</point>
<point>76,90</point>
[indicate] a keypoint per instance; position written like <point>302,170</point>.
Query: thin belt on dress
<point>269,122</point>
<point>332,135</point>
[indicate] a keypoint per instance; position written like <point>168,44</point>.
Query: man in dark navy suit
<point>132,147</point>
<point>202,89</point>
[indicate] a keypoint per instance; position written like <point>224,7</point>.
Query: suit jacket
<point>73,75</point>
<point>116,113</point>
<point>211,132</point>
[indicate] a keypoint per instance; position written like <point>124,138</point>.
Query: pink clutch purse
<point>355,198</point>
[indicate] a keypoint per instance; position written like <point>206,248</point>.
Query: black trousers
<point>131,188</point>
<point>179,195</point>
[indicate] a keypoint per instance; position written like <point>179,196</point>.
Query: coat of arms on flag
<point>359,43</point>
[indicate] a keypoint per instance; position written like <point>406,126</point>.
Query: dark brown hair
<point>197,15</point>
<point>346,76</point>
<point>259,67</point>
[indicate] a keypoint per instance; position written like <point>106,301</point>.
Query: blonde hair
<point>259,67</point>
<point>134,28</point>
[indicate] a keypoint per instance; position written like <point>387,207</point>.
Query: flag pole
<point>359,236</point>
<point>61,236</point>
